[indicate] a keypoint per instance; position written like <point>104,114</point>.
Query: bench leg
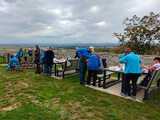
<point>146,95</point>
<point>158,83</point>
<point>99,82</point>
<point>104,83</point>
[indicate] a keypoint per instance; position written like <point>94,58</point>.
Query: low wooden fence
<point>4,58</point>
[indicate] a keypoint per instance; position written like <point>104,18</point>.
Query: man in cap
<point>93,65</point>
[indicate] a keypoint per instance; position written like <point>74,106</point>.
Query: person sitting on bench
<point>155,66</point>
<point>13,63</point>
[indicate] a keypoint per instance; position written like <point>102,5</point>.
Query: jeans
<point>146,79</point>
<point>82,70</point>
<point>130,83</point>
<point>48,69</point>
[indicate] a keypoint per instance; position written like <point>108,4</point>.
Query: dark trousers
<point>38,68</point>
<point>129,84</point>
<point>123,89</point>
<point>19,59</point>
<point>25,59</point>
<point>146,79</point>
<point>92,75</point>
<point>82,71</point>
<point>48,69</point>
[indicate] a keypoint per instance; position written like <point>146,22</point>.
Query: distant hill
<point>97,45</point>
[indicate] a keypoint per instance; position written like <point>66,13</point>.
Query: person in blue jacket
<point>132,71</point>
<point>82,54</point>
<point>19,55</point>
<point>13,63</point>
<point>93,65</point>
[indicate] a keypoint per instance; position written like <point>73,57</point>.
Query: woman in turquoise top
<point>132,72</point>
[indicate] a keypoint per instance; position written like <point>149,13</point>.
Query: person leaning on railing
<point>83,54</point>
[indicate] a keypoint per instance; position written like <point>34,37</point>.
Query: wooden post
<point>8,57</point>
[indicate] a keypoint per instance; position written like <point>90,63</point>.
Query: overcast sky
<point>67,21</point>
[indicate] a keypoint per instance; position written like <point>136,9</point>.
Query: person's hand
<point>143,66</point>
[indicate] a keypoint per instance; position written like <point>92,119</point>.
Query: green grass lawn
<point>27,96</point>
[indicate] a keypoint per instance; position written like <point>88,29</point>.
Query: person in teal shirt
<point>132,72</point>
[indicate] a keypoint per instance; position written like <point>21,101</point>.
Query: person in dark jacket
<point>93,65</point>
<point>48,61</point>
<point>37,59</point>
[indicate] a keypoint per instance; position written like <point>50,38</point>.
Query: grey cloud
<point>68,20</point>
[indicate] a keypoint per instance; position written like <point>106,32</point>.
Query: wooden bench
<point>152,84</point>
<point>102,78</point>
<point>59,69</point>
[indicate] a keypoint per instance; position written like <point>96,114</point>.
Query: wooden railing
<point>4,59</point>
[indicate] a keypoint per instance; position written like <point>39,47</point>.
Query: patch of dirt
<point>21,85</point>
<point>75,109</point>
<point>30,98</point>
<point>55,101</point>
<point>10,107</point>
<point>80,112</point>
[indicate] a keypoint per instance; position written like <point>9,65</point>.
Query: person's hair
<point>128,49</point>
<point>37,46</point>
<point>157,58</point>
<point>12,56</point>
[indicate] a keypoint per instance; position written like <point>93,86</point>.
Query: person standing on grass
<point>42,59</point>
<point>37,60</point>
<point>19,55</point>
<point>93,65</point>
<point>132,71</point>
<point>123,87</point>
<point>30,54</point>
<point>48,61</point>
<point>25,55</point>
<point>83,54</point>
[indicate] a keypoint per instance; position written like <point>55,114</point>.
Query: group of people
<point>25,55</point>
<point>91,63</point>
<point>42,58</point>
<point>22,57</point>
<point>133,69</point>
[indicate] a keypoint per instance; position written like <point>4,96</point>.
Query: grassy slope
<point>42,98</point>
